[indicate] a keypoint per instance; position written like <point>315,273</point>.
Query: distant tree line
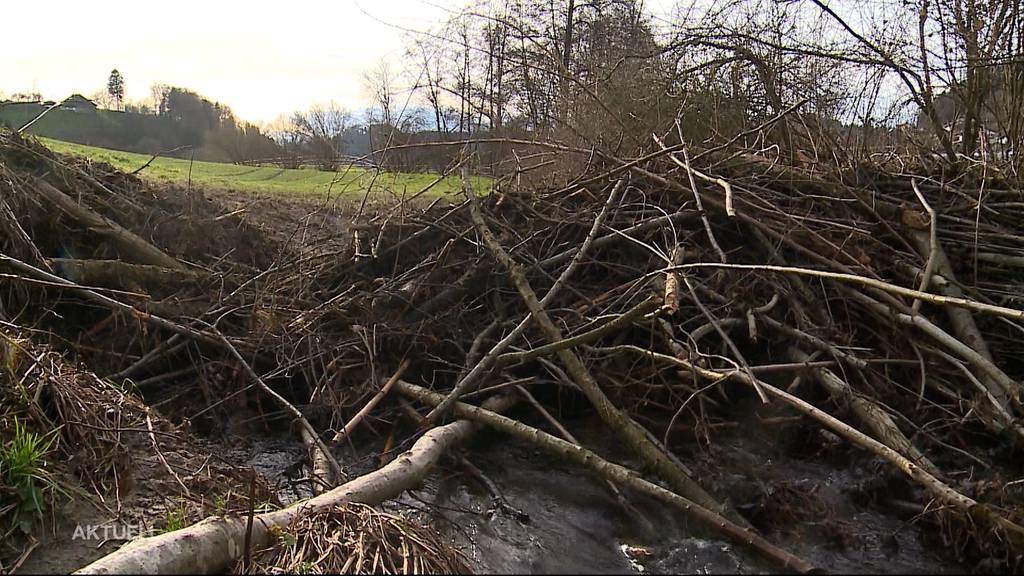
<point>322,136</point>
<point>180,119</point>
<point>823,79</point>
<point>176,119</point>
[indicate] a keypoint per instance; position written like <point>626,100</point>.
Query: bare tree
<point>322,130</point>
<point>432,78</point>
<point>940,75</point>
<point>378,84</point>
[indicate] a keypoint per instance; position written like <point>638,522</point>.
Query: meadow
<point>269,179</point>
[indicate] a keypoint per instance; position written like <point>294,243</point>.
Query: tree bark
<point>124,275</point>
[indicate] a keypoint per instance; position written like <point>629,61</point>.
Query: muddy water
<point>281,460</point>
<point>561,520</point>
<point>568,522</point>
<point>576,525</point>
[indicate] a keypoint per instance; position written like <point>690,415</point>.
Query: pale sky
<point>262,58</point>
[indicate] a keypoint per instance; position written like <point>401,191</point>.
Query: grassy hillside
<point>62,124</point>
<point>266,179</point>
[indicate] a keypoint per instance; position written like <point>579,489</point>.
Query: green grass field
<point>269,180</point>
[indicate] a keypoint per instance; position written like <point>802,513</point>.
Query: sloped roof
<point>78,99</point>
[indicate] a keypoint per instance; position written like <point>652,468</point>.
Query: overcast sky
<point>261,57</point>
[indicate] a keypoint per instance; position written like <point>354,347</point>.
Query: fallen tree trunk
<point>216,543</point>
<point>36,274</point>
<point>142,279</point>
<point>129,244</point>
<point>124,275</point>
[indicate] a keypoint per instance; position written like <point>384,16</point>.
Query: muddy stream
<point>560,519</point>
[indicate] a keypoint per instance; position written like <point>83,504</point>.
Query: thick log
<point>124,275</point>
<point>215,544</point>
<point>128,243</point>
<point>37,274</point>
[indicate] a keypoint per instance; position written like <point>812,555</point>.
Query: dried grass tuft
<point>357,539</point>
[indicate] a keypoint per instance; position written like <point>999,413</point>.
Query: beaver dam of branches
<point>872,320</point>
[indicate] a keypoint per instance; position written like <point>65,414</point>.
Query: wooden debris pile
<point>661,291</point>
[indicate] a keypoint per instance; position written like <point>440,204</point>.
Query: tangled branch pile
<point>879,304</point>
<point>356,539</point>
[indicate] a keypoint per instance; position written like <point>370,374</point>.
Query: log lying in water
<point>215,544</point>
